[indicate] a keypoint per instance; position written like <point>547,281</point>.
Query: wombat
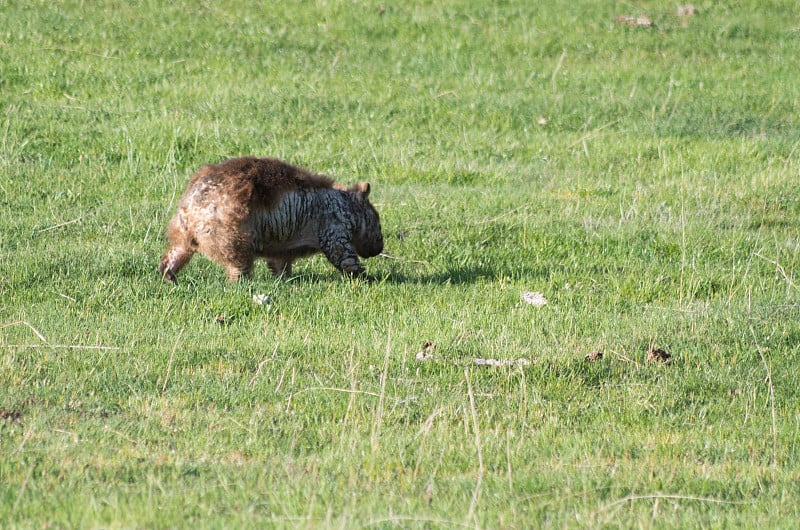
<point>244,208</point>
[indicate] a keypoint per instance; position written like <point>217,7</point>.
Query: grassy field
<point>645,178</point>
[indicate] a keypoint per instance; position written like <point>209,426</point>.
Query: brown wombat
<point>246,208</point>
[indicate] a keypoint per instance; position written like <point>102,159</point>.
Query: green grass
<point>645,180</point>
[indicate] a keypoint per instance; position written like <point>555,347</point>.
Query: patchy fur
<point>245,208</point>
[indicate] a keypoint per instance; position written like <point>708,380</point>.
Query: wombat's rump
<point>245,208</point>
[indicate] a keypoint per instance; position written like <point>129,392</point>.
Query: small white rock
<point>426,354</point>
<point>535,299</point>
<point>423,356</point>
<point>261,299</point>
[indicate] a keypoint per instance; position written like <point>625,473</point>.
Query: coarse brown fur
<point>249,207</point>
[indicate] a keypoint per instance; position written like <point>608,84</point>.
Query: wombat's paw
<point>352,267</point>
<point>166,273</point>
<point>361,274</point>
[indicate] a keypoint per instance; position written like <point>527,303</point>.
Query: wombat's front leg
<point>342,255</point>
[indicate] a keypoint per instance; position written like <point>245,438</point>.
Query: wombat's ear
<point>362,189</point>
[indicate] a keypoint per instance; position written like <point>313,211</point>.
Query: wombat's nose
<point>371,250</point>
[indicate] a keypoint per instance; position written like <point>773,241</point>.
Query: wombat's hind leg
<point>238,266</point>
<point>280,266</point>
<point>235,272</point>
<point>172,262</point>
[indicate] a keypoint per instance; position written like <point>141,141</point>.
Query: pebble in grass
<point>658,355</point>
<point>261,299</point>
<point>594,356</point>
<point>533,298</point>
<point>426,354</point>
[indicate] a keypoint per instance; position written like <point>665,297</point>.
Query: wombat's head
<point>367,238</point>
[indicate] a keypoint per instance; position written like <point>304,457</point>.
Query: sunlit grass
<point>644,180</point>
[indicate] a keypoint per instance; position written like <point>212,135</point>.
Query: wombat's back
<point>250,182</point>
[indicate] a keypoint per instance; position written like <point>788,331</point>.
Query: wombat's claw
<point>166,274</point>
<point>359,274</point>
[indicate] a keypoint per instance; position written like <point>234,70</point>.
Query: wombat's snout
<point>371,249</point>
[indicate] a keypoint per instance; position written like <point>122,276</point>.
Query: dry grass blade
<point>62,346</point>
<point>60,225</point>
<point>771,389</point>
<point>780,269</point>
<point>677,497</point>
<point>478,447</point>
<point>24,323</point>
<point>381,397</point>
<point>334,389</point>
<point>169,363</point>
<point>557,68</point>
